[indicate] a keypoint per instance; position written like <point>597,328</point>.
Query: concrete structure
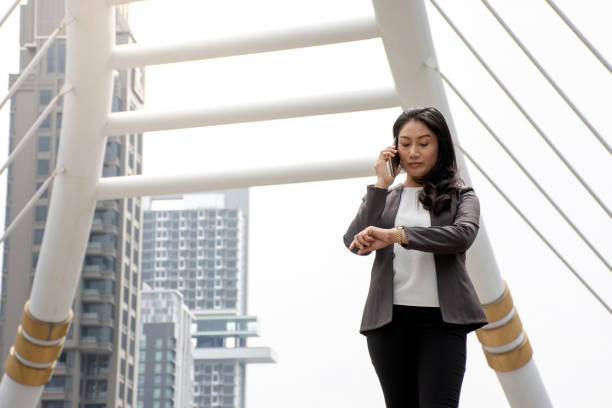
<point>165,368</point>
<point>198,246</point>
<point>97,366</point>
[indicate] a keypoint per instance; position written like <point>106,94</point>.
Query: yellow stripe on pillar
<point>510,360</point>
<point>24,374</point>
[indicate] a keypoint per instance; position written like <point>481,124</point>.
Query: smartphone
<point>394,162</point>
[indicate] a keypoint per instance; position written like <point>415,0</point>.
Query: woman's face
<point>417,144</point>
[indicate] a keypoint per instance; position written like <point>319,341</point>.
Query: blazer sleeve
<point>454,238</point>
<point>372,206</point>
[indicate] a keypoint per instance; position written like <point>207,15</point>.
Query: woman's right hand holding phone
<point>384,179</point>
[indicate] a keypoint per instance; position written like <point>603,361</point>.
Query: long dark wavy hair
<point>442,182</point>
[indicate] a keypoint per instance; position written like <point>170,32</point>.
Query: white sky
<point>306,288</point>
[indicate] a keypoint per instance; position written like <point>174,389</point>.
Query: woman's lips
<point>415,164</point>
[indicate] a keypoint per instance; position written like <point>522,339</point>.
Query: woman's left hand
<point>372,238</point>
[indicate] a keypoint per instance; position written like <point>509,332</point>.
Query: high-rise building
<point>165,369</point>
<point>97,366</point>
<point>197,244</point>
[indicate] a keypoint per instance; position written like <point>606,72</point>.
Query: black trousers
<point>419,359</point>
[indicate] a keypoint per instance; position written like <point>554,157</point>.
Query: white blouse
<point>414,272</point>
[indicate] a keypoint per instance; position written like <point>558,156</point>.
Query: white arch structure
<point>403,27</point>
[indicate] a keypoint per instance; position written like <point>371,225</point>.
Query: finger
<point>356,241</point>
<point>360,242</point>
<point>368,238</point>
<point>364,240</point>
<point>364,251</point>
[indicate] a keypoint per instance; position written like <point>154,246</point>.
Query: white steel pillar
<point>406,36</point>
<point>90,39</point>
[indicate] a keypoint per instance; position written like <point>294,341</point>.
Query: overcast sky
<point>306,288</point>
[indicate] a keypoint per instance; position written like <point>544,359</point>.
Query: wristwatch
<point>400,231</point>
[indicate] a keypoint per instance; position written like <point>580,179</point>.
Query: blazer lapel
<point>387,218</point>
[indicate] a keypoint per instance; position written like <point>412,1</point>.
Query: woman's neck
<point>411,183</point>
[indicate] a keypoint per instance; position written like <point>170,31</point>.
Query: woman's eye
<point>425,145</point>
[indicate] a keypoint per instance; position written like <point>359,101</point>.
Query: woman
<point>421,303</point>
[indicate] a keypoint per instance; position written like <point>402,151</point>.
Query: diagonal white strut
<point>72,201</point>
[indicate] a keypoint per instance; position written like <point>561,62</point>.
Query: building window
<point>45,96</point>
<point>44,143</point>
<point>46,124</point>
<point>117,104</point>
<point>38,236</point>
<point>42,167</point>
<point>40,213</point>
<point>61,60</point>
<point>51,59</point>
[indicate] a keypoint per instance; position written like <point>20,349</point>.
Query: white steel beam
<point>81,154</point>
<point>407,40</point>
<point>110,188</point>
<point>121,123</point>
<point>9,12</point>
<point>72,202</point>
<point>118,2</point>
<point>136,55</point>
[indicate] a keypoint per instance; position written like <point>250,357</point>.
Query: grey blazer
<point>450,235</point>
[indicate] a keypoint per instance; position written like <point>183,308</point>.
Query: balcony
<point>93,344</point>
<point>96,372</point>
<point>55,394</point>
<point>61,368</point>
<point>100,226</point>
<point>108,205</point>
<point>97,248</point>
<point>98,272</point>
<point>94,295</point>
<point>98,397</point>
<point>95,319</point>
